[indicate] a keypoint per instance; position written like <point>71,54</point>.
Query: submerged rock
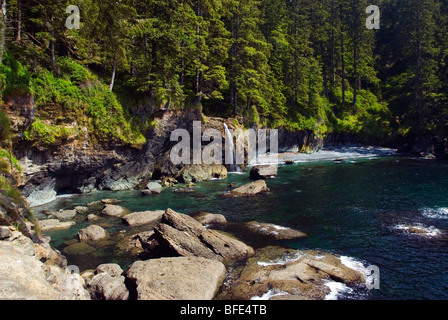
<point>184,236</point>
<point>180,278</point>
<point>258,187</point>
<point>78,249</point>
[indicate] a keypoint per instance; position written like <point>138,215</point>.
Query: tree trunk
<point>114,71</point>
<point>19,21</point>
<point>2,28</point>
<point>233,84</point>
<point>324,69</point>
<point>343,67</point>
<point>333,49</point>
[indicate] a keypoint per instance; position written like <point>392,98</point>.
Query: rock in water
<point>296,274</point>
<point>207,218</point>
<point>275,231</point>
<point>92,233</point>
<point>258,187</point>
<point>268,171</point>
<point>112,210</point>
<point>144,217</point>
<point>55,224</point>
<point>180,278</point>
<point>152,188</point>
<point>65,214</point>
<point>183,235</point>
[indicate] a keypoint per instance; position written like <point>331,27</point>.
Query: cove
<point>357,208</point>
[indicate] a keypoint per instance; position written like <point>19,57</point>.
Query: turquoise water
<point>352,209</point>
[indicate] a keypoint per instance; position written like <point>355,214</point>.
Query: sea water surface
<point>358,208</point>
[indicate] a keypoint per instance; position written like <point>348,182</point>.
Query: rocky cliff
<point>76,163</point>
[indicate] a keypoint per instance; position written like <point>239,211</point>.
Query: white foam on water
<point>336,289</point>
<point>353,264</point>
<point>268,295</point>
<point>343,153</point>
<point>435,213</point>
<point>281,261</point>
<point>430,231</point>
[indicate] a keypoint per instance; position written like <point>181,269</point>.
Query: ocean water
<point>360,208</point>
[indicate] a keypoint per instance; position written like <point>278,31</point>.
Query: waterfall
<point>230,159</point>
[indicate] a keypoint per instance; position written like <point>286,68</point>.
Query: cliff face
<point>76,163</point>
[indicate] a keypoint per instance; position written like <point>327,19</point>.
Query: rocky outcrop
<point>144,217</point>
<point>30,271</point>
<point>108,283</point>
<point>291,274</point>
<point>92,233</point>
<point>180,278</point>
<point>258,187</point>
<point>182,235</point>
<point>264,172</point>
<point>274,231</point>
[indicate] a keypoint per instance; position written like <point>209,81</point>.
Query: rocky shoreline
<point>185,259</point>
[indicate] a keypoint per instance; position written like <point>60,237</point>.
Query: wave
<point>343,153</point>
<point>268,295</point>
<point>435,213</point>
<point>336,289</point>
<point>419,229</point>
<point>354,264</point>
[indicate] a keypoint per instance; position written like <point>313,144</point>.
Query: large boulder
<point>180,278</point>
<point>291,274</point>
<point>108,283</point>
<point>144,217</point>
<point>258,187</point>
<point>183,235</point>
<point>267,171</point>
<point>92,233</point>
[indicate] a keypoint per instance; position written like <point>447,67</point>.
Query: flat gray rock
<point>180,278</point>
